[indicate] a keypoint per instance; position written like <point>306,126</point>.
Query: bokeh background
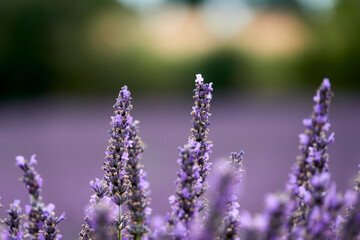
<point>62,64</point>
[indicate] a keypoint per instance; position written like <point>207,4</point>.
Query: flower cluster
<point>40,221</point>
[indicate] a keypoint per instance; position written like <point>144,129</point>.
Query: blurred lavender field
<point>69,136</point>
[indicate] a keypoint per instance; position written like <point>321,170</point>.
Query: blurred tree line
<point>45,48</point>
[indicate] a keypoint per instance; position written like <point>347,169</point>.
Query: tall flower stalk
<point>117,155</point>
<point>138,202</point>
<point>184,205</point>
<point>350,227</point>
<point>33,183</point>
<point>223,221</point>
<point>201,113</point>
<point>231,221</point>
<point>314,157</point>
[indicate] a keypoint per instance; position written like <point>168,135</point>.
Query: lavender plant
<point>117,155</point>
<point>310,208</point>
<point>184,205</point>
<point>33,183</point>
<point>13,221</point>
<point>50,231</point>
<point>313,159</point>
<point>200,130</point>
<point>37,213</point>
<point>230,225</point>
<point>100,191</point>
<point>223,221</point>
<point>40,221</point>
<point>349,228</point>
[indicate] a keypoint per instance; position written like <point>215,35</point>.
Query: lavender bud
<point>50,230</point>
<point>33,183</point>
<point>13,221</point>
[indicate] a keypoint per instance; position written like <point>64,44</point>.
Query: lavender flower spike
<point>223,221</point>
<point>201,114</point>
<point>100,189</point>
<point>13,221</point>
<point>117,153</point>
<point>313,145</point>
<point>184,205</point>
<point>138,202</point>
<point>231,223</point>
<point>102,218</point>
<point>50,231</point>
<point>33,183</point>
<point>351,225</point>
<point>275,215</point>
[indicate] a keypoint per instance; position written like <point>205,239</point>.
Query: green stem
<point>138,237</point>
<point>119,231</point>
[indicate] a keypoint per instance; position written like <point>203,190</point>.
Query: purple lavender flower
<point>322,208</point>
<point>252,227</point>
<point>13,221</point>
<point>314,157</point>
<point>201,114</point>
<point>33,183</point>
<point>117,154</point>
<point>102,215</point>
<point>223,221</point>
<point>100,188</point>
<point>50,231</point>
<point>138,202</point>
<point>275,215</point>
<point>184,205</point>
<point>350,226</point>
<point>231,220</point>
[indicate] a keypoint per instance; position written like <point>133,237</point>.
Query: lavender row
<point>309,208</point>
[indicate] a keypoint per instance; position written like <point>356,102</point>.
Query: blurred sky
<point>92,47</point>
<point>62,64</point>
